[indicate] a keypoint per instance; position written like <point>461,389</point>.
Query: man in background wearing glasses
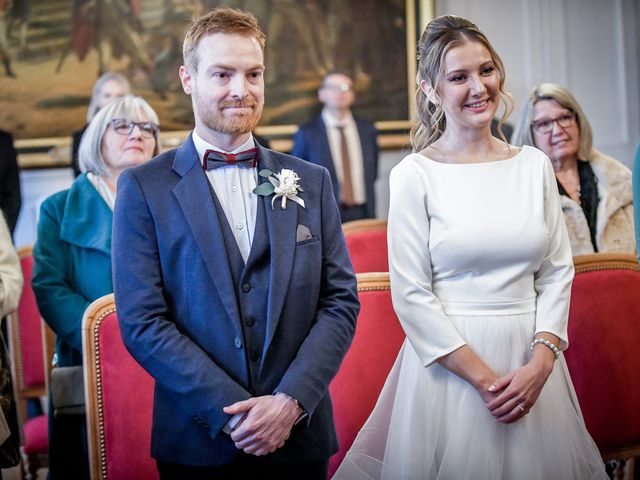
<point>346,145</point>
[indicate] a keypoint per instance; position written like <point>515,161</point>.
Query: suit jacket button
<point>249,322</point>
<point>246,287</point>
<point>237,342</point>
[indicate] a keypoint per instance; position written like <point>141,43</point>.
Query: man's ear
<point>321,97</point>
<point>429,91</point>
<point>185,78</point>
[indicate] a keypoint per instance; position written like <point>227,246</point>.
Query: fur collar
<point>613,176</point>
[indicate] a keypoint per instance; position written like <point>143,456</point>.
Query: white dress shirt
<point>355,152</point>
<point>234,186</point>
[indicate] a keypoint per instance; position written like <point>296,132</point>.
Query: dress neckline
<point>501,161</point>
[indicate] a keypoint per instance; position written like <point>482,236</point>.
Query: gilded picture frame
<point>58,49</point>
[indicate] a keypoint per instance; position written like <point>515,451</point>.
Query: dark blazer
<point>9,180</point>
<point>311,143</point>
<point>76,138</point>
<point>179,311</point>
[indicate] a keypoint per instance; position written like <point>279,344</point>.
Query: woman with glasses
<point>595,190</point>
<point>73,252</point>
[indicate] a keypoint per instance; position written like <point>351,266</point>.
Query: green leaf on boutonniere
<point>265,173</point>
<point>265,189</point>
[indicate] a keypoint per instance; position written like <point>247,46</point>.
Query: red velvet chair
<point>378,339</point>
<point>119,397</point>
<point>26,342</point>
<point>604,350</point>
<point>367,245</point>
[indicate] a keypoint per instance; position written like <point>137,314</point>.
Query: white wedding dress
<point>478,255</point>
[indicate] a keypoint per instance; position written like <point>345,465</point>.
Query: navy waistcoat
<point>251,287</point>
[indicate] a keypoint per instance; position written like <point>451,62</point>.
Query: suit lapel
<point>281,225</point>
<point>194,196</point>
<point>325,157</point>
<point>365,146</point>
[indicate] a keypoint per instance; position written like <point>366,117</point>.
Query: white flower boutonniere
<point>281,185</point>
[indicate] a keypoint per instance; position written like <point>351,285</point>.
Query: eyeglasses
<point>546,125</point>
<point>123,126</point>
<point>343,87</point>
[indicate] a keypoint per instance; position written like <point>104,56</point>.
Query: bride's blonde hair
<point>441,35</point>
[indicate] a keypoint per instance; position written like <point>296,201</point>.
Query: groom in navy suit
<point>233,285</point>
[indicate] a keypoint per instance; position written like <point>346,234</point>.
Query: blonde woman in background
<point>595,189</point>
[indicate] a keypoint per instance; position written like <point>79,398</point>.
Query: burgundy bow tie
<point>214,159</point>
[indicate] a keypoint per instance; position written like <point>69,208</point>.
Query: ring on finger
<point>521,408</point>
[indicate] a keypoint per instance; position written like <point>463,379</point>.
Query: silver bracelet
<point>546,343</point>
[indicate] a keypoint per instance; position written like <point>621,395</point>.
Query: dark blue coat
<point>312,144</point>
<point>9,181</point>
<point>179,312</point>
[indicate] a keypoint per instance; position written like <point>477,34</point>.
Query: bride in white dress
<point>481,273</point>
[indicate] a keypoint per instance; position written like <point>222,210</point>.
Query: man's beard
<point>215,119</point>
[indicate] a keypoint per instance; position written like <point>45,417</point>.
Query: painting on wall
<point>56,49</point>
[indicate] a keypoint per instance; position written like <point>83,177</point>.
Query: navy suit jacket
<point>179,313</point>
<point>9,181</point>
<point>311,143</point>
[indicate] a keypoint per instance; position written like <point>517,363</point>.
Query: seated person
<point>72,256</point>
<point>595,189</point>
<point>11,283</point>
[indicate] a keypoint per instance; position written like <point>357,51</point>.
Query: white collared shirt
<point>234,186</point>
<point>355,152</point>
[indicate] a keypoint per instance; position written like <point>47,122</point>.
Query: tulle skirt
<point>430,424</point>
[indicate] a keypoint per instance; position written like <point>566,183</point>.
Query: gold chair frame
<point>93,317</point>
<point>610,261</point>
<point>365,225</point>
